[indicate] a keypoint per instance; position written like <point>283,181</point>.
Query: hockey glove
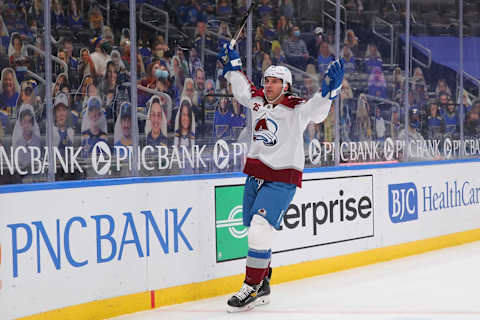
<point>230,59</point>
<point>332,81</point>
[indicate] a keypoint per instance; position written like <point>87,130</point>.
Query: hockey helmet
<point>279,72</point>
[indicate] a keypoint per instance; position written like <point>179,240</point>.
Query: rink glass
<point>207,131</point>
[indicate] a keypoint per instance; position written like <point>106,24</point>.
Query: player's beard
<point>271,97</point>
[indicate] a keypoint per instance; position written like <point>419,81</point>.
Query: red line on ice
<point>152,298</point>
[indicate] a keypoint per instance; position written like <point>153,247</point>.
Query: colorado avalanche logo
<point>265,130</point>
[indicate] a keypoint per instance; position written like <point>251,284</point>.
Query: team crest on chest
<point>265,130</point>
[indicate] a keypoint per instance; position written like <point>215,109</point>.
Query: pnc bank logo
<point>101,158</point>
<point>221,154</point>
<point>402,202</point>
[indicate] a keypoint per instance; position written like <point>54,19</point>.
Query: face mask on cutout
<point>160,74</point>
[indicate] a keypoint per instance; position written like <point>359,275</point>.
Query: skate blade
<point>248,307</point>
<point>262,301</point>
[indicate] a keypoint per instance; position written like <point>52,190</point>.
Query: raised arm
<point>316,109</point>
<point>241,87</point>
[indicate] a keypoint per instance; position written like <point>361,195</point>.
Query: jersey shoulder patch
<point>256,92</point>
<point>292,101</point>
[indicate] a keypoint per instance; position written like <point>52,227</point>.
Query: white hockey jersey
<point>276,151</point>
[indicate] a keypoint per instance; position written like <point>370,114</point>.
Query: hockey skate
<point>263,294</point>
<point>244,299</point>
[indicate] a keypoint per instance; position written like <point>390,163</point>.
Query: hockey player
<point>275,160</point>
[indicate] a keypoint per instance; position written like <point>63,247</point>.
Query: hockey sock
<point>257,265</point>
<point>260,236</point>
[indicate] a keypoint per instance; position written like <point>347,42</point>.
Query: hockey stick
<point>242,25</point>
